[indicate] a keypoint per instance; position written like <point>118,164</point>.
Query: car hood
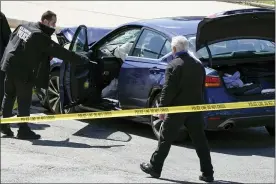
<point>257,25</point>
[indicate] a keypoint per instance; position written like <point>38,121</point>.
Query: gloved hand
<point>83,58</point>
<point>86,57</point>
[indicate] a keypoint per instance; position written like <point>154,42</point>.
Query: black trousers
<point>2,79</point>
<point>169,132</point>
<point>15,87</point>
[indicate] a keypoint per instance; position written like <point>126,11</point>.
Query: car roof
<point>171,25</point>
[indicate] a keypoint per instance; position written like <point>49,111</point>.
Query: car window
<point>149,45</point>
<point>228,48</point>
<point>166,49</point>
<point>79,44</point>
<point>126,36</point>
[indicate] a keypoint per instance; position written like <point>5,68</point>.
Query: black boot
<point>25,132</point>
<point>6,130</point>
<point>148,168</point>
<point>206,178</point>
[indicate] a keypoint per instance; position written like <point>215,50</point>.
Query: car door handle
<point>154,70</point>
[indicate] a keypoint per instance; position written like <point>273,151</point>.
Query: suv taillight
<point>212,81</point>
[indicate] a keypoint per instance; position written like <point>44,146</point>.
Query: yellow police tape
<point>140,112</point>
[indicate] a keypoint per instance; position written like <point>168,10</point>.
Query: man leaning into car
<point>26,62</point>
<point>184,85</point>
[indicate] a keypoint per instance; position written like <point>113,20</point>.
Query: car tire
<point>270,130</point>
<point>53,95</point>
<point>41,95</point>
<point>156,123</point>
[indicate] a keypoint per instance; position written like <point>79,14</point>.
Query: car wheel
<point>156,123</point>
<point>270,130</point>
<point>53,95</point>
<point>41,95</point>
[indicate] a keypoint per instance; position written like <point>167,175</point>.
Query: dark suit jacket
<point>4,34</point>
<point>184,82</point>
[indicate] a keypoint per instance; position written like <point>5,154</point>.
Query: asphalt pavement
<point>110,150</point>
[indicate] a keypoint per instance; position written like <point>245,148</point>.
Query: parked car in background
<point>237,46</point>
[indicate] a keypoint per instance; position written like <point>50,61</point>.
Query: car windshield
<point>231,47</point>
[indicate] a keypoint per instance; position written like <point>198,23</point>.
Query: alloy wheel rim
<point>156,122</point>
<point>54,95</point>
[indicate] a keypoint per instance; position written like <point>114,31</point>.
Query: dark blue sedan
<point>237,48</point>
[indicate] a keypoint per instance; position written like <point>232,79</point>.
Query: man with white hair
<point>184,85</point>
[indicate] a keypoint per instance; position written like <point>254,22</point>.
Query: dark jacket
<point>184,82</point>
<point>28,53</point>
<point>5,33</point>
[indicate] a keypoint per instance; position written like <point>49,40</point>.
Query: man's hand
<point>83,57</point>
<point>162,116</point>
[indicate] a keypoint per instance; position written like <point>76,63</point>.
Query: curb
<point>249,3</point>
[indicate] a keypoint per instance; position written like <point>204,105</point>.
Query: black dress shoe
<point>7,132</point>
<point>206,178</point>
<point>147,168</point>
<point>27,134</point>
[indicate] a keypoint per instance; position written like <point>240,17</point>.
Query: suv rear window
<point>230,47</point>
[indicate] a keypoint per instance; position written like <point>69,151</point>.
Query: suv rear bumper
<point>226,123</point>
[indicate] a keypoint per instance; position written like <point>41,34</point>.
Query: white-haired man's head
<point>179,43</point>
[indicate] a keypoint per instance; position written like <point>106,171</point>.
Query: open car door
<point>74,77</point>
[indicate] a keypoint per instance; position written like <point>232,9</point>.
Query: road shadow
<point>170,180</point>
<point>108,129</point>
<point>241,142</point>
<point>33,126</point>
<point>187,182</point>
<point>67,143</point>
